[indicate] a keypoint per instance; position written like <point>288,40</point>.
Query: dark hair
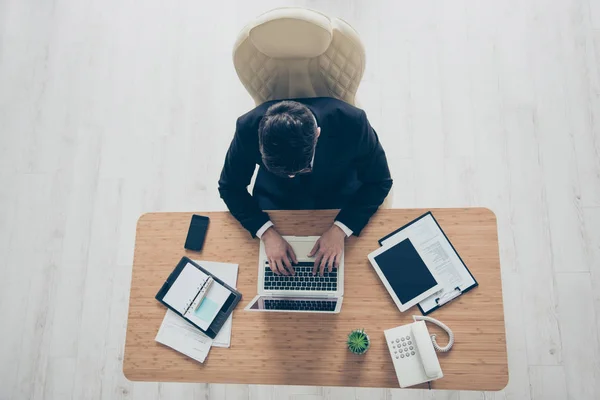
<point>287,135</point>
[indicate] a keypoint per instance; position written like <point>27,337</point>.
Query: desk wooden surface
<point>309,349</point>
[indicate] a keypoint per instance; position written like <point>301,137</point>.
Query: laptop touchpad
<point>302,248</point>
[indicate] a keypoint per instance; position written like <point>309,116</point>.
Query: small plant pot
<point>358,341</point>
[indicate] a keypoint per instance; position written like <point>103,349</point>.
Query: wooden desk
<point>309,349</point>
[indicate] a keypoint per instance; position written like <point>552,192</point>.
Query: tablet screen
<point>405,271</point>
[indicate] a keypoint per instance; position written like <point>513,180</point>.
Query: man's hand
<point>279,253</point>
<point>328,250</point>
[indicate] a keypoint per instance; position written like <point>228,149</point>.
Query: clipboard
<point>221,316</point>
<point>447,297</point>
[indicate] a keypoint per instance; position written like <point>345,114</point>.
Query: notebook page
<point>215,298</point>
<point>184,289</point>
<point>228,274</point>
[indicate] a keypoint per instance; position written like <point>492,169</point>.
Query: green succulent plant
<point>358,341</point>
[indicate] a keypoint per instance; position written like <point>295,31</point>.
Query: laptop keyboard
<point>300,305</point>
<point>302,280</point>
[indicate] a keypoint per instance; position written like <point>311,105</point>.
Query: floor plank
<point>93,333</point>
<point>145,390</point>
<point>579,336</point>
<point>547,383</point>
<point>592,219</point>
<point>555,140</point>
<point>59,382</point>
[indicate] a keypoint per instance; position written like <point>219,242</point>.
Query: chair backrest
<point>297,53</point>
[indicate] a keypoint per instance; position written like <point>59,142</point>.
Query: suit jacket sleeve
<point>235,178</point>
<point>374,174</point>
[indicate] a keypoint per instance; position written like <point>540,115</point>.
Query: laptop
<point>302,292</point>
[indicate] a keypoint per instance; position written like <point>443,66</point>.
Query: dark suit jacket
<point>349,172</point>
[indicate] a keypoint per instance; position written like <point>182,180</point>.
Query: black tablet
<point>404,274</point>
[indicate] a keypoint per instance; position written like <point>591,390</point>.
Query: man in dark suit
<point>314,153</point>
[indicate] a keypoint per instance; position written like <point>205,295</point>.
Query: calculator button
<point>408,338</point>
<point>397,340</point>
<point>412,353</point>
<point>406,349</point>
<point>402,339</point>
<point>411,347</point>
<point>397,357</point>
<point>403,344</point>
<point>407,355</point>
<point>401,356</point>
<point>409,342</point>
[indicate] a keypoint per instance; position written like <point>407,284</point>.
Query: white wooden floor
<point>111,108</point>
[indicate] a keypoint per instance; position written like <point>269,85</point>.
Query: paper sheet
<point>179,335</point>
<point>439,256</point>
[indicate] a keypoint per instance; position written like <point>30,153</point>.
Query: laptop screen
<point>294,304</point>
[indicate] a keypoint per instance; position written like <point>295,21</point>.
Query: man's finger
<point>323,264</point>
<point>336,264</point>
<point>288,264</point>
<point>315,248</point>
<point>316,264</point>
<point>331,262</point>
<point>273,266</point>
<point>280,267</point>
<point>292,254</point>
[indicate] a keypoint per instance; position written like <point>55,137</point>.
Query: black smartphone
<point>196,233</point>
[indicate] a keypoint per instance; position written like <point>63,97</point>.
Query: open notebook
<point>182,294</point>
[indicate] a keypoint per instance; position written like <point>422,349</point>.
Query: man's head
<point>287,136</point>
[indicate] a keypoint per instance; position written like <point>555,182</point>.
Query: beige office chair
<point>295,52</point>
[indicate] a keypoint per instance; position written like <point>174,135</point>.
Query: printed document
<point>439,256</point>
<point>182,336</point>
